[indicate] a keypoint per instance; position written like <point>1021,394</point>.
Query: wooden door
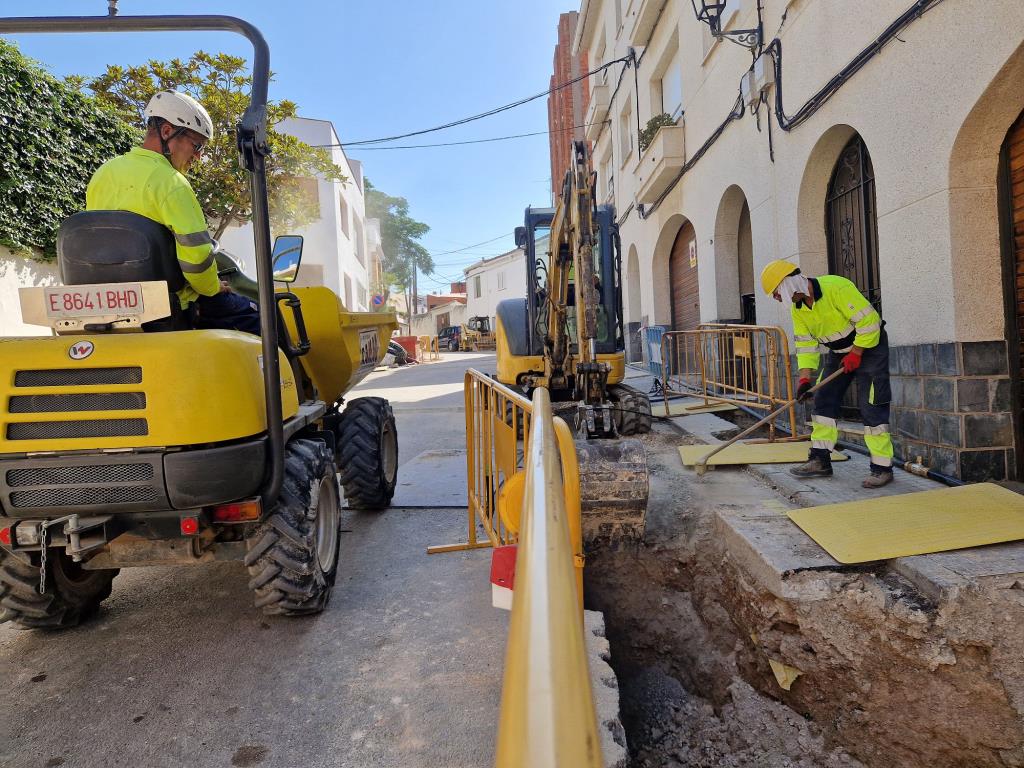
<point>1011,168</point>
<point>1014,169</point>
<point>682,270</point>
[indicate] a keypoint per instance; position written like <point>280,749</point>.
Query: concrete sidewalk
<point>776,549</point>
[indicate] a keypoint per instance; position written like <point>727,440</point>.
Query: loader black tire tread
<point>281,552</point>
<point>72,593</point>
<point>365,424</point>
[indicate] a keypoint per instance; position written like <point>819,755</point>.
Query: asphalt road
<point>178,668</point>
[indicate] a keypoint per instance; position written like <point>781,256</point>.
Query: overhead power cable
<point>490,112</point>
<point>468,247</point>
<point>457,143</point>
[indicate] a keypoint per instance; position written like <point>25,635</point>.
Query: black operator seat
<point>121,247</point>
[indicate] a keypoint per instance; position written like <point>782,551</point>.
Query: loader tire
<point>632,412</point>
<point>292,556</point>
<point>72,593</point>
<point>367,441</point>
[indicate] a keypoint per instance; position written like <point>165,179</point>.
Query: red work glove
<point>803,390</point>
<point>851,362</point>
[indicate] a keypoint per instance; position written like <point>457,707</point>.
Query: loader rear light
<point>5,536</point>
<point>189,526</point>
<point>238,512</point>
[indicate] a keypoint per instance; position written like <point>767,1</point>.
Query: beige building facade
<point>892,179</point>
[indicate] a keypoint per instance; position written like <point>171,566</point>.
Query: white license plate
<point>94,300</point>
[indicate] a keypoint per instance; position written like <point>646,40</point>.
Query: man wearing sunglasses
<point>150,181</point>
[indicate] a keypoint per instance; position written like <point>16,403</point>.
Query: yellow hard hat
<point>774,273</point>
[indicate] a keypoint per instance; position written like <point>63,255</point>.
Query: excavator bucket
<point>613,490</point>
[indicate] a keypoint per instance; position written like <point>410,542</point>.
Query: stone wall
<point>952,406</point>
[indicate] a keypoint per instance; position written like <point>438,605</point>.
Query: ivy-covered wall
<point>52,138</point>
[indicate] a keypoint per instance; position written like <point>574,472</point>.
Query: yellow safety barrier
<point>524,489</point>
<point>743,365</point>
<point>547,715</point>
<point>429,348</point>
<point>498,422</point>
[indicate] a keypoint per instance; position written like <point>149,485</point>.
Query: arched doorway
<point>851,221</point>
<point>745,251</point>
<point>1011,220</point>
<point>734,259</point>
<point>682,270</point>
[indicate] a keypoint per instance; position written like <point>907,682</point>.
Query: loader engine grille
<point>57,430</point>
<point>102,483</point>
<point>101,473</point>
<point>102,401</point>
<point>77,497</point>
<point>72,377</point>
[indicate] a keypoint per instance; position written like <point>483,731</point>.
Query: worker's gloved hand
<point>803,390</point>
<point>851,362</point>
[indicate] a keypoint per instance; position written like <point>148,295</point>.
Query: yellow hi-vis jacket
<point>144,182</point>
<point>840,318</point>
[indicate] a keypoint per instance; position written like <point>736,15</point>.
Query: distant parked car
<point>449,338</point>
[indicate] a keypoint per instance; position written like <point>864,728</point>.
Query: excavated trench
<point>887,677</point>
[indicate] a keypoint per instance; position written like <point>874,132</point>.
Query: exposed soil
<point>888,677</point>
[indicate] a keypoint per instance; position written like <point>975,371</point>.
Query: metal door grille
<point>851,221</point>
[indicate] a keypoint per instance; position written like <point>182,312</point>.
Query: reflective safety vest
<point>840,318</point>
<point>144,182</point>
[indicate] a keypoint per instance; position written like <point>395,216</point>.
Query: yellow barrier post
<point>547,707</point>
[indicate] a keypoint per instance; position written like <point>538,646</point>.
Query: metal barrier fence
<point>547,717</point>
<point>498,423</point>
<point>743,365</point>
<point>524,489</point>
<point>429,348</point>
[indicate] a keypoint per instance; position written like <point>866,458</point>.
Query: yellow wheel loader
<point>476,335</point>
<point>127,438</point>
<point>567,335</point>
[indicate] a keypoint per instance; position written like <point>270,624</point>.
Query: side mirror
<point>286,257</point>
<point>520,237</point>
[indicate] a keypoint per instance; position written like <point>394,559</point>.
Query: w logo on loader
<point>81,350</point>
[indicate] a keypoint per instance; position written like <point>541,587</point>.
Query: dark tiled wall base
<point>951,405</point>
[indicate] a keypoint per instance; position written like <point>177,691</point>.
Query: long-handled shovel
<point>702,465</point>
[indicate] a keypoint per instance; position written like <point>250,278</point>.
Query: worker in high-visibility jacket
<point>832,317</point>
<point>149,180</point>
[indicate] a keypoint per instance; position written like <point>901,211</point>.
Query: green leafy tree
<point>399,233</point>
<point>52,139</point>
<point>222,84</point>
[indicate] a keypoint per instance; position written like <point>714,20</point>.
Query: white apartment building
<point>896,165</point>
<point>335,251</point>
<point>492,280</point>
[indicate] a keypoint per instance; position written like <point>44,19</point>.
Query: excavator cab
<point>534,239</point>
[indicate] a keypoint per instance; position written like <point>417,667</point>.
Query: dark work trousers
<point>228,311</point>
<point>873,397</point>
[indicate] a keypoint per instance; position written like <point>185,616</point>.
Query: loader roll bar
<point>253,149</point>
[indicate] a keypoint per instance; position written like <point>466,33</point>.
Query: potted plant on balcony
<point>654,125</point>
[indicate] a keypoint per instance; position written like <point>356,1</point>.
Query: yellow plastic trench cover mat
<point>915,523</point>
<point>689,407</point>
<point>751,453</point>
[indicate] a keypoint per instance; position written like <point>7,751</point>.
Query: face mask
<point>792,285</point>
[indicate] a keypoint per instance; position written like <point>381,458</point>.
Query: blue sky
<point>378,69</point>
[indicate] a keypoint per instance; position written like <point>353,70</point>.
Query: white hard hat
<point>182,110</point>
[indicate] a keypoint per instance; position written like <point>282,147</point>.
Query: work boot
<point>877,479</point>
<point>815,467</point>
